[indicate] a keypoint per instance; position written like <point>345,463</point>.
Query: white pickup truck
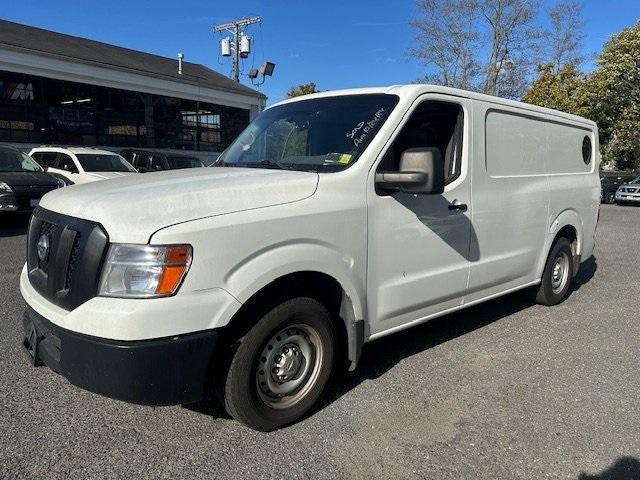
<point>337,218</point>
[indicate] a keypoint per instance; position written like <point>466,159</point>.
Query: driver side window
<point>433,124</point>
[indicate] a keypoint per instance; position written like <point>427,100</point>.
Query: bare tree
<point>481,45</point>
<point>447,38</point>
<point>512,36</point>
<point>565,35</point>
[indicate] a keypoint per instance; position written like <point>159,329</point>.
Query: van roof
<point>413,90</point>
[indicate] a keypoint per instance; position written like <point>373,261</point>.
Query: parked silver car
<point>629,192</point>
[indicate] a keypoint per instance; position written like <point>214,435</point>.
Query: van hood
<point>132,208</point>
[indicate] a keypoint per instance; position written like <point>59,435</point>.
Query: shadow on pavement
<point>587,272</point>
<point>13,224</point>
<point>380,356</point>
<point>625,468</point>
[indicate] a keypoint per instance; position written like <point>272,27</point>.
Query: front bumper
<point>627,198</point>
<point>137,319</point>
<point>166,371</point>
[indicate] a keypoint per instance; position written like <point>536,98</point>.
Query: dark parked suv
<point>22,181</point>
<point>147,161</point>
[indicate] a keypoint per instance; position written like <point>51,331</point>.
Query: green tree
<point>303,89</point>
<point>610,96</point>
<point>565,89</point>
<point>615,98</point>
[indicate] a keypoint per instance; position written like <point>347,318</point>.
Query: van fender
<point>257,271</point>
<point>568,217</point>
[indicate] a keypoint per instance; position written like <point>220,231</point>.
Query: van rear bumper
<point>167,371</point>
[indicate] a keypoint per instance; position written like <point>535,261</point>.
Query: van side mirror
<point>421,171</point>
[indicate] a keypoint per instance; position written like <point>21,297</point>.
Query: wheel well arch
<point>317,285</point>
<point>565,229</point>
<point>570,233</point>
<point>567,224</point>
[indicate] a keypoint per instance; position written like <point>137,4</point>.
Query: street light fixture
<point>265,70</point>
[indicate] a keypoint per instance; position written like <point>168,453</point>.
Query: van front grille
<point>68,274</point>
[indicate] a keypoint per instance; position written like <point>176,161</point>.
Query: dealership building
<point>65,90</point>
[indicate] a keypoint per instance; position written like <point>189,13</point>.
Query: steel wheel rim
<point>289,366</point>
<point>560,273</point>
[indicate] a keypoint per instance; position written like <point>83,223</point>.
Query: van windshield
<point>321,134</point>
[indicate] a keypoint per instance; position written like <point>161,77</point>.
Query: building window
<point>43,110</point>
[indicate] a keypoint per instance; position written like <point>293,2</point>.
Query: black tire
<point>549,292</point>
<point>611,198</point>
<point>244,397</point>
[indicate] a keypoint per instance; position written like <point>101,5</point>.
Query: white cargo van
<point>338,218</point>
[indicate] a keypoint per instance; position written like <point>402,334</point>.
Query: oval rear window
<point>586,150</point>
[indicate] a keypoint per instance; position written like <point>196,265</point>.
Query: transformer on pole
<point>238,44</point>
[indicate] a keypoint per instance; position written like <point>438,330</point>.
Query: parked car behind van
<point>610,184</point>
<point>22,181</point>
<point>147,161</point>
<point>629,193</point>
<point>336,219</point>
<point>82,164</point>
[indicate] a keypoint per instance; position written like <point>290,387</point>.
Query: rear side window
<point>587,150</point>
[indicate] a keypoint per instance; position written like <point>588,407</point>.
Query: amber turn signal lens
<point>177,261</point>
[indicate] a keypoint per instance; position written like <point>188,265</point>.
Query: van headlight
<point>144,271</point>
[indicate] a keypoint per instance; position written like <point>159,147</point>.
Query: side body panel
<point>529,181</point>
<point>510,198</point>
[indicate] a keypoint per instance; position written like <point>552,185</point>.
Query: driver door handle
<point>460,207</point>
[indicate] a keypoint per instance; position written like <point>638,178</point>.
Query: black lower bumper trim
<point>168,371</point>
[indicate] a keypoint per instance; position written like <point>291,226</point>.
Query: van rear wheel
<point>558,273</point>
<point>281,365</point>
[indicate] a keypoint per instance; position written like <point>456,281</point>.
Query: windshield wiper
<point>261,163</point>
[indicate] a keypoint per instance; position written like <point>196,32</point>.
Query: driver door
<point>419,244</point>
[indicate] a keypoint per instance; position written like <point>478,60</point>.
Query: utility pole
<point>235,28</point>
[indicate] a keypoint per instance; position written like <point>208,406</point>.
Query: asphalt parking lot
<point>503,390</point>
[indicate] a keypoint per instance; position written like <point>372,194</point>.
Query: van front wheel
<point>558,273</point>
<point>281,365</point>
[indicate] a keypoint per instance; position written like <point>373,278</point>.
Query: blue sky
<point>336,43</point>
